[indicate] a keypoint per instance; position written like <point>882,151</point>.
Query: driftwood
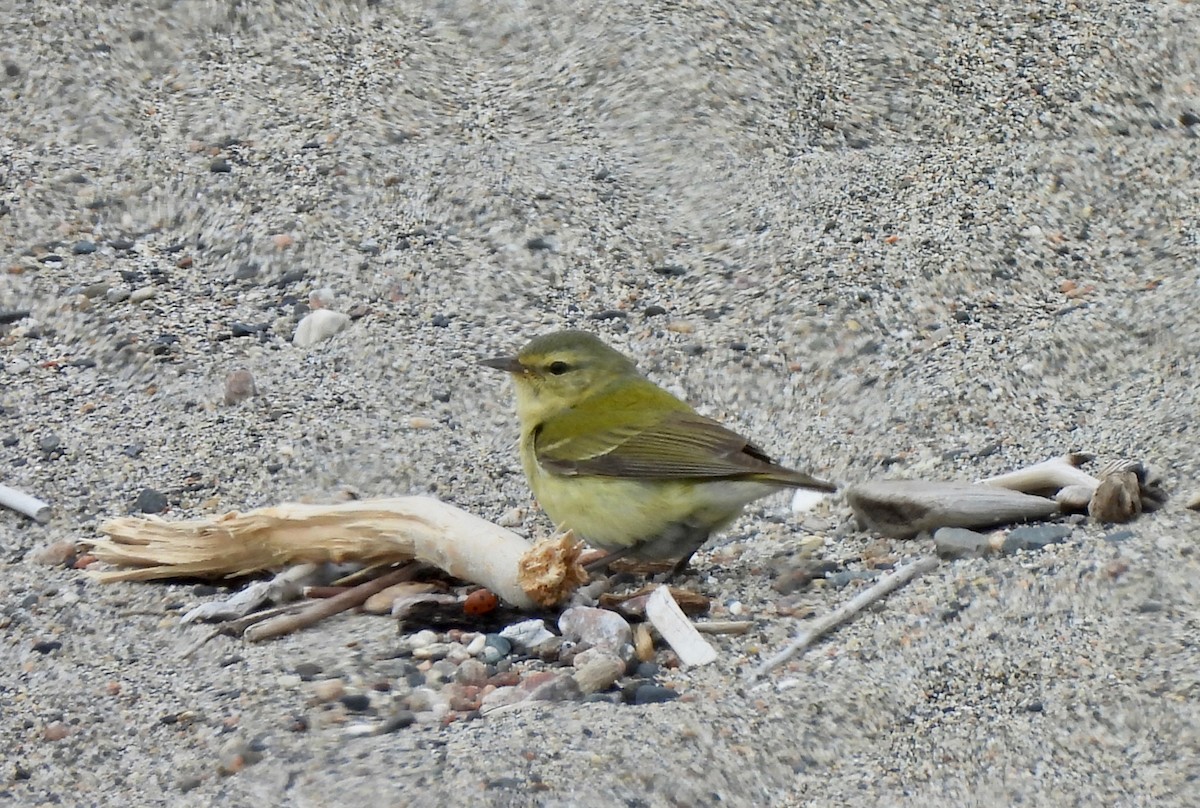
<point>371,532</point>
<point>904,508</point>
<point>23,503</point>
<point>1122,490</point>
<point>817,628</point>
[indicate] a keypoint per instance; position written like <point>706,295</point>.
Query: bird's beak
<point>509,364</point>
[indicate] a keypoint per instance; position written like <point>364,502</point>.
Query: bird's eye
<point>558,368</point>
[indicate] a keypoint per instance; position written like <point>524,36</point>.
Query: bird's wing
<point>679,444</point>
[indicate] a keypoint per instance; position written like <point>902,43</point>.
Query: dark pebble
<point>397,721</point>
<point>13,315</point>
<point>133,449</point>
<point>49,443</point>
<point>204,590</point>
<point>647,670</point>
<point>9,440</point>
<point>737,346</point>
<point>442,396</point>
<point>356,702</point>
<point>121,244</point>
<point>655,311</point>
<point>84,247</point>
<point>693,349</point>
<point>47,646</point>
<point>190,783</point>
<point>220,166</point>
<point>539,244</point>
<point>1185,118</point>
<point>233,659</point>
<point>288,278</point>
<point>609,314</point>
<point>958,542</point>
<point>1034,707</point>
<point>1150,606</point>
<point>51,258</point>
<point>307,671</point>
<point>83,362</point>
<point>671,270</point>
<point>150,501</point>
<point>246,271</point>
<point>239,329</point>
<point>440,321</point>
<point>1034,537</point>
<point>1119,536</point>
<point>654,694</point>
<point>12,69</point>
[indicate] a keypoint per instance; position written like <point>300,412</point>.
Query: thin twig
<point>23,503</point>
<point>724,626</point>
<point>319,610</point>
<point>822,625</point>
<point>235,627</point>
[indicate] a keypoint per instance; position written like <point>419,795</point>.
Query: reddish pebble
<point>56,731</point>
<point>185,262</point>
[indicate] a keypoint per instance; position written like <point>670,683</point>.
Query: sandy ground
<point>884,240</point>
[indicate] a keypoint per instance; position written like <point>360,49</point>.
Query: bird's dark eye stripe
<point>559,368</point>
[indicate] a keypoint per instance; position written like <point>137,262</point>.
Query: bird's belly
<point>661,516</point>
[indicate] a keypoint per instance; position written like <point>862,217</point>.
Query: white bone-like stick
<point>23,503</point>
<point>665,615</point>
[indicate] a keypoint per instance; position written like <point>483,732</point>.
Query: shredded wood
<point>372,532</point>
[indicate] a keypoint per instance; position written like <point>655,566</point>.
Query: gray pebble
<point>117,294</point>
<point>1034,537</point>
<point>143,294</point>
<point>599,674</point>
<point>150,501</point>
<point>653,694</point>
<point>84,247</point>
<point>958,542</point>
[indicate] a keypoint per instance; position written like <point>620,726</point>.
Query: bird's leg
<point>601,564</point>
<point>680,566</point>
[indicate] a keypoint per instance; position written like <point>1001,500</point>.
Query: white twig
<point>23,503</point>
<point>822,625</point>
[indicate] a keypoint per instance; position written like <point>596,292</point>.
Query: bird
<point>623,463</point>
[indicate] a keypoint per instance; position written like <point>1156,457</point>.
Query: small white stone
<point>317,326</point>
<point>143,294</point>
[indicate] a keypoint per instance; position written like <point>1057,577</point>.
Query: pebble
<point>502,697</point>
<point>356,702</point>
<point>329,690</point>
<point>117,294</point>
<point>526,635</point>
<point>559,687</point>
<point>422,638</point>
<point>958,542</point>
<point>471,672</point>
<point>475,647</point>
<point>396,721</point>
<point>599,628</point>
<point>319,325</point>
<point>435,650</point>
<point>653,694</point>
<point>143,294</point>
<point>440,673</point>
<point>1034,537</point>
<point>599,673</point>
<point>239,386</point>
<point>150,501</point>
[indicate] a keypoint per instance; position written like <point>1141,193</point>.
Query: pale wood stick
<point>1052,474</point>
<point>236,627</point>
<point>373,532</point>
<point>724,626</point>
<point>822,625</point>
<point>673,626</point>
<point>23,503</point>
<point>319,610</point>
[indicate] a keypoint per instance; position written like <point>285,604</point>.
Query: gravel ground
<point>884,240</point>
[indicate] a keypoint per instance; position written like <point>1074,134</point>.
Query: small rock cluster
<point>441,677</point>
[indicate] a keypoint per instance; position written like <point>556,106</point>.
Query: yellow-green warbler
<point>623,463</point>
